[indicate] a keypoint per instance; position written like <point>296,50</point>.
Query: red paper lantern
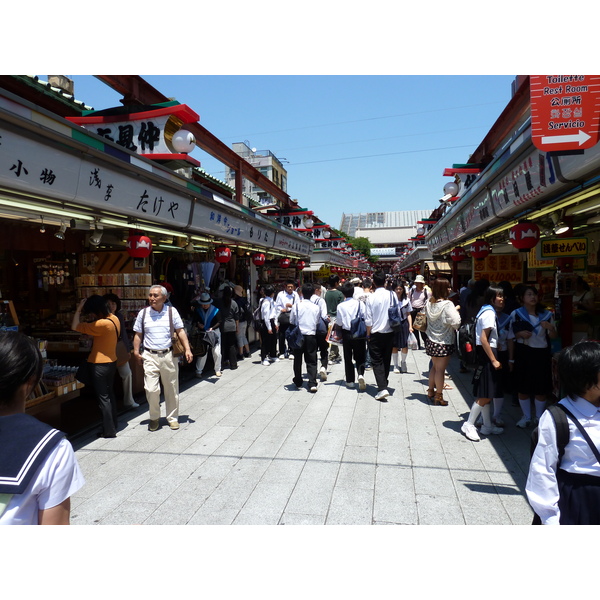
<point>458,254</point>
<point>300,265</point>
<point>480,249</point>
<point>222,254</point>
<point>524,236</point>
<point>258,259</point>
<point>139,246</point>
<point>284,263</point>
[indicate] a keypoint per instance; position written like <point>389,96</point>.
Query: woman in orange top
<point>105,329</point>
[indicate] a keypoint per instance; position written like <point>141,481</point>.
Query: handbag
<point>358,329</point>
<point>420,322</point>
<point>394,318</point>
<point>294,336</point>
<point>123,354</point>
<point>178,347</point>
<point>85,374</point>
<point>197,344</point>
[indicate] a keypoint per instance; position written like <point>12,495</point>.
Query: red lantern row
<point>222,254</point>
<point>524,236</point>
<point>480,249</point>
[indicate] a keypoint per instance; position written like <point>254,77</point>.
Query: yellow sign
<point>563,247</point>
<point>324,271</point>
<point>499,267</point>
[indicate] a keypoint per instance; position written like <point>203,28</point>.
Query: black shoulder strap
<point>584,433</point>
<point>562,428</point>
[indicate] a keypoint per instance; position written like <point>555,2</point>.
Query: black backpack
<point>562,431</point>
<point>466,342</point>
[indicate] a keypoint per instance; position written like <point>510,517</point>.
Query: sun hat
<point>238,289</point>
<point>205,298</point>
<point>419,279</point>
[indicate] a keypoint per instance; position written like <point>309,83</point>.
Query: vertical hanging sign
<point>565,111</point>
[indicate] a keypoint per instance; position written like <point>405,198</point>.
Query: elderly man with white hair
<point>153,329</point>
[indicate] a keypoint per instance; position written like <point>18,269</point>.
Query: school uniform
<point>268,334</point>
<point>354,350</point>
<point>568,494</point>
<point>487,382</point>
<point>306,315</point>
<point>381,340</point>
<point>322,343</point>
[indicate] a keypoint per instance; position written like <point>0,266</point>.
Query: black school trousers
<point>380,348</point>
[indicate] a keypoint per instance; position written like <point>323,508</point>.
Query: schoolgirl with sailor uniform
<point>566,490</point>
<point>268,334</point>
<point>530,329</point>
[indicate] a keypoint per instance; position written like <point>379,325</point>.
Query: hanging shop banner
<point>499,267</point>
<point>292,244</point>
<point>35,167</point>
<point>563,247</point>
<point>535,262</point>
<point>564,111</point>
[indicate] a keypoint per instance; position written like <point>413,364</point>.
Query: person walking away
<point>443,320</point>
<point>268,334</point>
<point>105,330</point>
<point>152,328</point>
<point>333,297</point>
<point>284,302</point>
<point>230,324</point>
<point>354,349</point>
<point>207,318</point>
<point>401,336</point>
<point>114,305</point>
<point>306,315</point>
<point>487,383</point>
<point>245,317</point>
<point>563,484</point>
<point>529,353</point>
<point>380,337</point>
<point>322,344</point>
<point>367,286</point>
<point>418,295</point>
<point>38,469</point>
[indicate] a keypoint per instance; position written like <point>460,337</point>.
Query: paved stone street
<point>252,449</point>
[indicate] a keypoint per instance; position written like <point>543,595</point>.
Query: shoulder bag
<point>294,336</point>
<point>178,347</point>
<point>394,317</point>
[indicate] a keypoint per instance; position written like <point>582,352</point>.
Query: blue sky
<point>349,143</point>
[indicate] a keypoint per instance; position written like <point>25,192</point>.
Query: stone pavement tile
<point>264,517</point>
<point>95,508</point>
<point>329,445</point>
<point>439,510</point>
<point>290,518</point>
<point>357,470</point>
<point>364,431</point>
<point>208,442</point>
<point>131,513</point>
<point>268,444</point>
<point>268,498</point>
<point>350,506</point>
<point>207,516</point>
<point>394,500</point>
<point>296,448</point>
<point>312,493</point>
<point>433,482</point>
<point>282,471</point>
<point>339,417</point>
<point>393,449</point>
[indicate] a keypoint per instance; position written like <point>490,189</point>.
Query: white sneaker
<point>396,370</point>
<point>524,422</point>
<point>266,362</point>
<point>350,385</point>
<point>218,373</point>
<point>493,430</point>
<point>470,432</point>
<point>313,389</point>
<point>382,394</point>
<point>362,384</point>
<point>323,374</point>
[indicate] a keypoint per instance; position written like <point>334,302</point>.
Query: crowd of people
<point>367,324</point>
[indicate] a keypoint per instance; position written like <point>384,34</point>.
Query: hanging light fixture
<point>559,225</point>
<point>60,234</point>
<point>42,226</point>
<point>97,235</point>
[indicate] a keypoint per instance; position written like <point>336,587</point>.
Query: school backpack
<point>358,328</point>
<point>562,431</point>
<point>466,340</point>
<point>257,320</point>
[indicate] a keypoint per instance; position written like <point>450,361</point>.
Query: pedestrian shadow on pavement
<point>490,488</point>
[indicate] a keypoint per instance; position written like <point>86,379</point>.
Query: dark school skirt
<point>532,370</point>
<point>487,381</point>
<point>579,499</point>
<point>401,336</point>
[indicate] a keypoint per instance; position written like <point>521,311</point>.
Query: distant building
<point>393,227</point>
<point>267,163</point>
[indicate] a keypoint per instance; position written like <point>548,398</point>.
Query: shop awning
<point>314,267</point>
<point>438,265</point>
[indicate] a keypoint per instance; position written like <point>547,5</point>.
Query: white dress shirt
<point>542,485</point>
<point>284,298</point>
<point>267,311</point>
<point>307,315</point>
<point>347,310</point>
<point>157,329</point>
<point>376,314</point>
<point>320,302</point>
